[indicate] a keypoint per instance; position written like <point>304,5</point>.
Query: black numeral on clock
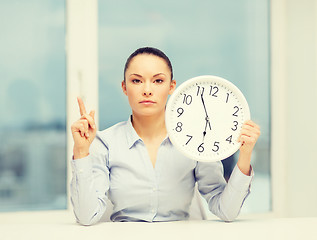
<point>216,147</point>
<point>200,89</point>
<point>179,127</point>
<point>180,111</point>
<point>201,148</point>
<point>213,91</point>
<point>187,99</point>
<point>229,139</point>
<point>227,97</point>
<point>190,138</point>
<point>235,114</point>
<point>235,126</point>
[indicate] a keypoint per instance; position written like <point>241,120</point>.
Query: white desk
<point>60,225</point>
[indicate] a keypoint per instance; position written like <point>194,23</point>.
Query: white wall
<point>294,107</point>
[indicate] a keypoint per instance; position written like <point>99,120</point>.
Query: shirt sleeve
<point>90,184</point>
<point>224,199</point>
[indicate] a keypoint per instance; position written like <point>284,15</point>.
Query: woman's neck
<point>149,127</point>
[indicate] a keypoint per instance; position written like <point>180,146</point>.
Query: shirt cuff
<point>240,181</point>
<point>82,166</point>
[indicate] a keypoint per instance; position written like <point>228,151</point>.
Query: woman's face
<point>148,84</point>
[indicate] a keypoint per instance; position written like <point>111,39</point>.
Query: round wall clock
<point>204,117</point>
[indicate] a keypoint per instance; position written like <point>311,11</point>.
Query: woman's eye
<point>136,81</point>
<point>158,80</point>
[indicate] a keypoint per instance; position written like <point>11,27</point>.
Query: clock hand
<point>205,132</point>
<point>207,118</point>
<point>202,99</point>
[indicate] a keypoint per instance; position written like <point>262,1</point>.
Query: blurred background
<point>33,105</point>
<point>228,38</point>
<point>225,38</point>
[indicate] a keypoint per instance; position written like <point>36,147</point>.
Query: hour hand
<point>205,131</point>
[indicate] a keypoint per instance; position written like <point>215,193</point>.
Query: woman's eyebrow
<point>136,75</point>
<point>158,74</point>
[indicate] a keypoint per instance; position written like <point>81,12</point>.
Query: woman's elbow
<point>86,220</point>
<point>229,216</point>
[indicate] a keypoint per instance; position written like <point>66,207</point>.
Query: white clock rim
<point>191,81</point>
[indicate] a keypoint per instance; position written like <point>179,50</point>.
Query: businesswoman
<point>136,167</point>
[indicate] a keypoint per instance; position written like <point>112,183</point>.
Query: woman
<point>134,164</point>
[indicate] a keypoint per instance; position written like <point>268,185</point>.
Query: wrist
<point>80,153</point>
<point>244,162</point>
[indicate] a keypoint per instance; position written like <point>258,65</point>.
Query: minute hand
<point>207,118</point>
<point>202,99</point>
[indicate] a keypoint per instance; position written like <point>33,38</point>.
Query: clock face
<point>204,117</point>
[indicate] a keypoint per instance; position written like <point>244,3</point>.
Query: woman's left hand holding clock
<point>249,135</point>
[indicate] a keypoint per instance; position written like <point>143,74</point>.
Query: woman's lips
<point>147,102</point>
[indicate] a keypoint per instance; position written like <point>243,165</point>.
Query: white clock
<point>204,117</point>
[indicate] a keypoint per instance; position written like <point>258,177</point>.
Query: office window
<point>32,103</point>
<point>217,37</point>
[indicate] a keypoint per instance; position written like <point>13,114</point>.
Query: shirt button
<point>154,189</point>
<point>81,171</point>
<point>153,211</point>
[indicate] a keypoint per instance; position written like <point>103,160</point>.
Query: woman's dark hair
<point>151,51</point>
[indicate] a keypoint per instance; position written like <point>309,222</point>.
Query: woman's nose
<point>147,90</point>
<point>147,93</point>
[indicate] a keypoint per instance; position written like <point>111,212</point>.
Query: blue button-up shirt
<point>119,168</point>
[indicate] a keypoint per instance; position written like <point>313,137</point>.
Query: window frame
<point>82,66</point>
<point>278,106</point>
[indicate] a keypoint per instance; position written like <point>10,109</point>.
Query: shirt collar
<point>132,136</point>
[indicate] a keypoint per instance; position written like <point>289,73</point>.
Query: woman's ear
<point>124,87</point>
<point>172,87</point>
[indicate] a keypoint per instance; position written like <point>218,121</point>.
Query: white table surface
<point>61,225</point>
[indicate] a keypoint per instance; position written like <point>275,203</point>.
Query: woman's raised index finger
<point>81,105</point>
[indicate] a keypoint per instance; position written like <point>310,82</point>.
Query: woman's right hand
<point>83,131</point>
